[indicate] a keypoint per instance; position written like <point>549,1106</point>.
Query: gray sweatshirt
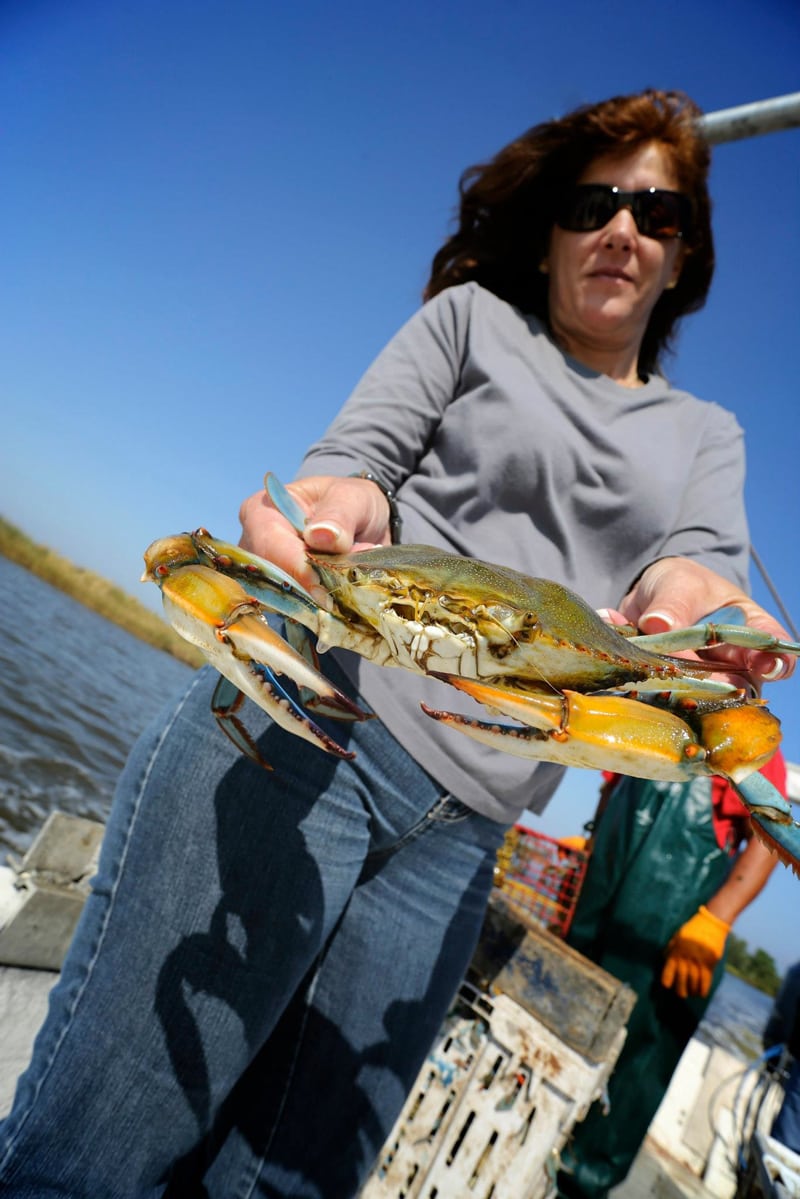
<point>501,447</point>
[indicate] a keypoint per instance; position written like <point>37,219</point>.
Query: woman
<point>266,958</point>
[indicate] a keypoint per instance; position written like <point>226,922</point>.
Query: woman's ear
<point>676,269</point>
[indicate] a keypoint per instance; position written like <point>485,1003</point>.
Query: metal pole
<point>731,125</point>
<point>749,120</point>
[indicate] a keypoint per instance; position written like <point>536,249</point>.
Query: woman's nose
<point>621,229</point>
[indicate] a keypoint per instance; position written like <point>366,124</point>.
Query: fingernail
<point>324,533</point>
<point>604,614</point>
<point>667,621</point>
<point>777,671</point>
<point>328,525</point>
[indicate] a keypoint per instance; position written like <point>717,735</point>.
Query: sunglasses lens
<point>658,213</point>
<point>587,207</point>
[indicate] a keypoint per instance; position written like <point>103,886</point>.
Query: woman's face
<point>604,284</point>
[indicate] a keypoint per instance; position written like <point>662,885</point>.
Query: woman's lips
<point>610,272</point>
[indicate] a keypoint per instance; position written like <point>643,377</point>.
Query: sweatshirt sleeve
<point>711,527</point>
<point>392,416</point>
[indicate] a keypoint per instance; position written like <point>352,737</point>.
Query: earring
<point>544,268</point>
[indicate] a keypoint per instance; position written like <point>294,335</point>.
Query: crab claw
<point>740,735</point>
<point>214,612</point>
<point>598,732</point>
<point>260,579</point>
<point>280,593</point>
<point>167,554</point>
<point>609,732</point>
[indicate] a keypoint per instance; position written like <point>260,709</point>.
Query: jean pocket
<point>447,810</point>
<point>444,810</point>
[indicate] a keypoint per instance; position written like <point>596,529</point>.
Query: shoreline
<point>96,593</point>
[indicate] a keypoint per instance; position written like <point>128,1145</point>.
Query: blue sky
<point>218,211</point>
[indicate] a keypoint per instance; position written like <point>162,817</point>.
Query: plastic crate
<point>491,1108</point>
<point>541,877</point>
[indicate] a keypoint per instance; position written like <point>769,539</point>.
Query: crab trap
<point>528,1046</point>
<point>541,877</point>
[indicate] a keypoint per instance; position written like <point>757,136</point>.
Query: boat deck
<point>691,1147</point>
<point>656,1173</point>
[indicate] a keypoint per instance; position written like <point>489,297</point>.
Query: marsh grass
<point>96,593</point>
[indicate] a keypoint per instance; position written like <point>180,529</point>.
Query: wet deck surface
<point>23,1004</point>
<point>656,1175</point>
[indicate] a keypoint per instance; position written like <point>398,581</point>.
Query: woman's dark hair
<point>508,205</point>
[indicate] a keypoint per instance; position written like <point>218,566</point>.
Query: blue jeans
<point>258,974</point>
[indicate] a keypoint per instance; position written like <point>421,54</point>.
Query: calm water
<point>736,1017</point>
<point>76,690</point>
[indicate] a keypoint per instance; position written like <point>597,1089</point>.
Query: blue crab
<point>584,693</point>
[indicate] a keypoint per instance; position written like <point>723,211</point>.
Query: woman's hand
<point>341,515</point>
<point>676,592</point>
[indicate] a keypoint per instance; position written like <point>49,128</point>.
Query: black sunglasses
<point>658,213</point>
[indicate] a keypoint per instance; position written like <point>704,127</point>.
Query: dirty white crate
<point>491,1108</point>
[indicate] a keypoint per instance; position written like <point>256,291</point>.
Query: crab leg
<point>213,612</point>
<point>284,501</point>
<point>727,628</point>
<point>225,704</point>
<point>772,818</point>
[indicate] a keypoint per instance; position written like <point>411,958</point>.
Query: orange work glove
<point>693,953</point>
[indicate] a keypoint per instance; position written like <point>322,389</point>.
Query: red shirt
<point>730,814</point>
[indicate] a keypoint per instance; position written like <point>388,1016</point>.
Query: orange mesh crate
<point>541,876</point>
